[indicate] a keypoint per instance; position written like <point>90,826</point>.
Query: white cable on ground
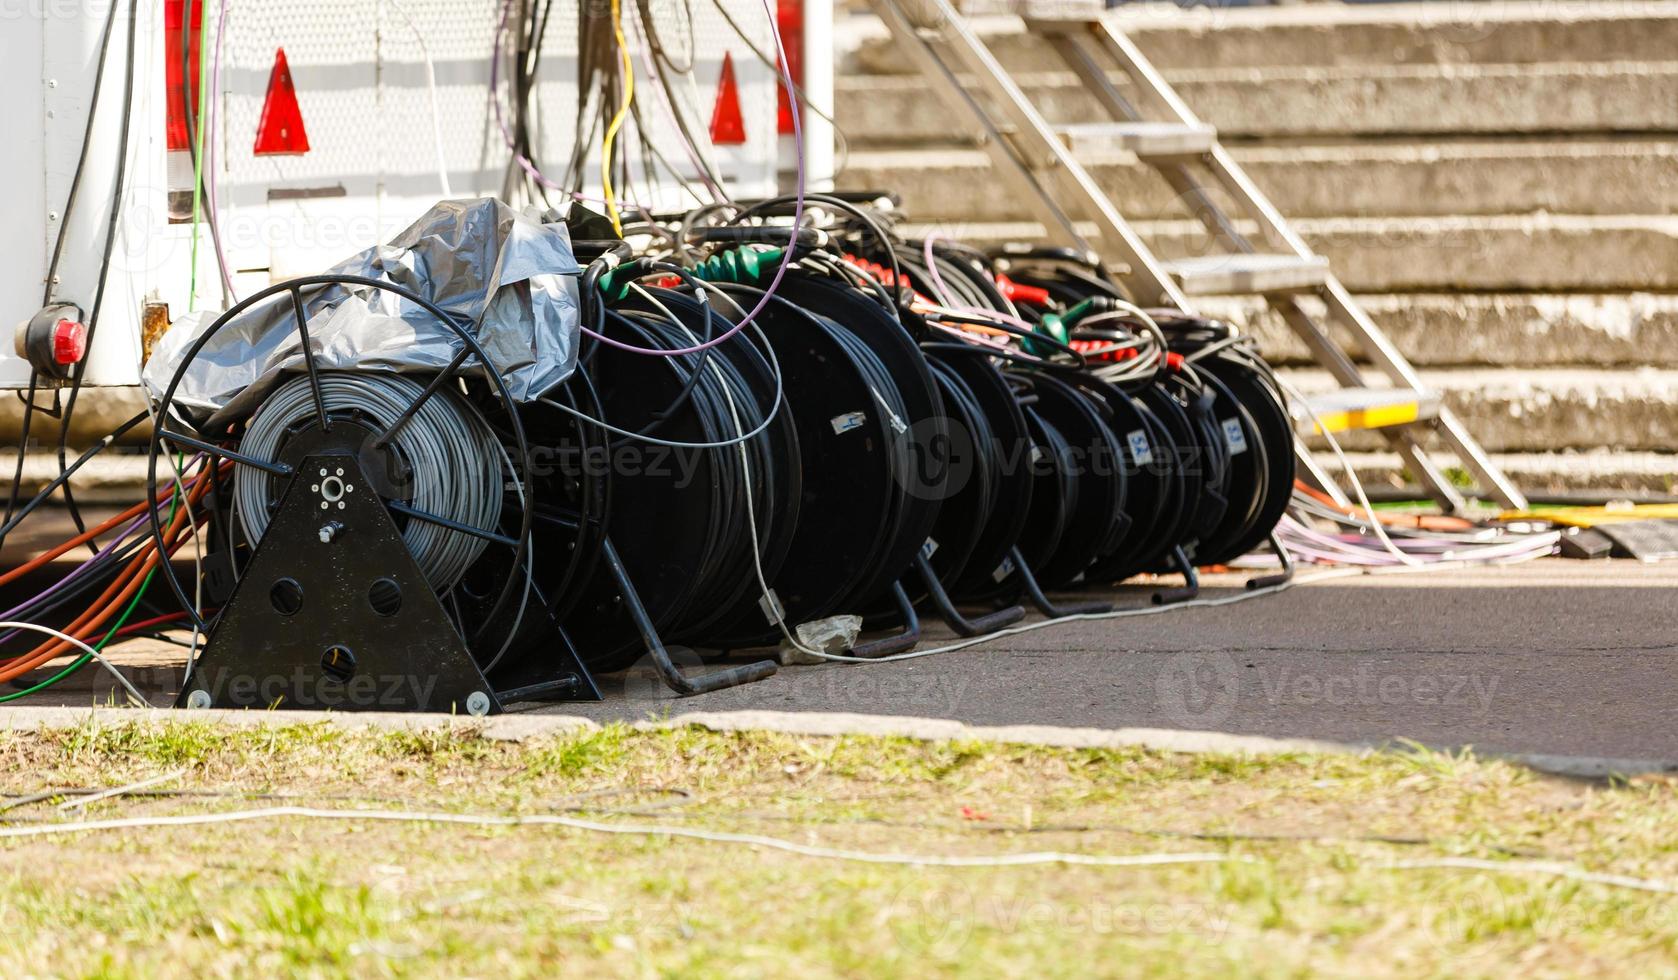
<point>1547,868</point>
<point>83,647</point>
<point>628,829</point>
<point>81,801</point>
<point>1021,859</point>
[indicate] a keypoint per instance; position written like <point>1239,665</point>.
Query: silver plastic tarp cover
<point>509,280</point>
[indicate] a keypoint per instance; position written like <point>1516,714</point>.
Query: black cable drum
<point>1220,355</point>
<point>851,455</point>
<point>677,515</point>
<point>920,422</point>
<point>1009,457</point>
<point>1093,458</point>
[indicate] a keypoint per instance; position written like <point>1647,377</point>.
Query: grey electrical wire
<point>450,452</point>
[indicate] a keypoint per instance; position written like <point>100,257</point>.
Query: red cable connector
<point>1016,292</point>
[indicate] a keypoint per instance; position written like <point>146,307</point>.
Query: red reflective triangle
<point>728,126</point>
<point>280,130</point>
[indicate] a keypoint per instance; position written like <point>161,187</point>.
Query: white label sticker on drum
<point>928,547</point>
<point>1003,570</point>
<point>850,420</point>
<point>1141,453</point>
<point>1235,436</point>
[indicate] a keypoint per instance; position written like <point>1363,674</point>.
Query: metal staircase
<point>1041,161</point>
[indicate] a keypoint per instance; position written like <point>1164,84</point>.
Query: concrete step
<point>1508,330</point>
<point>1534,473</point>
<point>1318,102</point>
<point>1544,410</point>
<point>1487,253</point>
<point>1589,176</point>
<point>1329,34</point>
<point>110,477</point>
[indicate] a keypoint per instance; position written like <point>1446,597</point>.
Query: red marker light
<point>53,340</point>
<point>69,342</point>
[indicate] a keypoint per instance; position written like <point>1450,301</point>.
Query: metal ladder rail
<point>1028,149</point>
<point>923,41</point>
<point>1070,41</point>
<point>1074,51</point>
<point>1031,152</point>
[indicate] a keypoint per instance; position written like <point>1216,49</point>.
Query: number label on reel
<point>1235,436</point>
<point>1141,452</point>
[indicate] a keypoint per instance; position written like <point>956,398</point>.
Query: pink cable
<point>938,284</point>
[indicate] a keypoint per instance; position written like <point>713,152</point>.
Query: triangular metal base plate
<point>333,613</point>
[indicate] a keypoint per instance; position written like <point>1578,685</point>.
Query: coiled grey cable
<point>451,453</point>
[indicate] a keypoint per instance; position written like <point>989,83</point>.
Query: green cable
<point>198,158</point>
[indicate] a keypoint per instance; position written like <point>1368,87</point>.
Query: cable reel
<point>689,549</point>
<point>843,454</point>
<point>361,502</point>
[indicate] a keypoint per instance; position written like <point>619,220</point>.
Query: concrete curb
<point>518,727</point>
<point>510,728</point>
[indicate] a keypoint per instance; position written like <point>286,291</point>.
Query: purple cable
<point>87,567</point>
<point>80,571</point>
<point>952,305</point>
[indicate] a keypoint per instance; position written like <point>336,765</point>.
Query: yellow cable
<point>617,120</point>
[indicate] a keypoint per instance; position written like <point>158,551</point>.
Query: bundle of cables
<point>119,578</point>
<point>682,441</point>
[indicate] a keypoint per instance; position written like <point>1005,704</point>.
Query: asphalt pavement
<point>1554,657</point>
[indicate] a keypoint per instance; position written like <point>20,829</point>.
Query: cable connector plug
<point>746,266</point>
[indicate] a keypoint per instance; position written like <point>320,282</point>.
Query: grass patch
<point>1308,888</point>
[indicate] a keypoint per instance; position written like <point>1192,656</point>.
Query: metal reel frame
<point>469,348</point>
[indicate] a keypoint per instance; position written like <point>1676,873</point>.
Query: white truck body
<point>362,79</point>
